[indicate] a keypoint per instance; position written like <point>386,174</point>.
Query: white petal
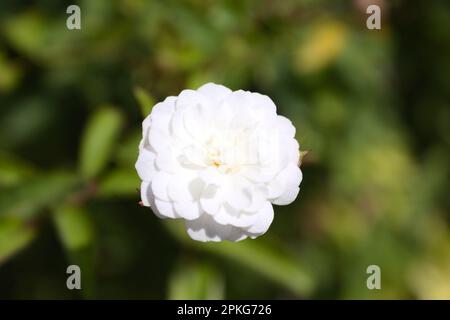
<point>293,177</point>
<point>259,196</point>
<point>237,195</point>
<point>187,210</point>
<point>148,199</point>
<point>206,229</point>
<point>224,115</point>
<point>212,176</point>
<point>178,188</point>
<point>289,178</point>
<point>146,125</point>
<point>211,199</point>
<point>222,216</point>
<point>165,208</point>
<point>263,105</point>
<point>275,188</point>
<point>193,157</point>
<point>238,101</point>
<point>145,164</point>
<point>293,150</point>
<point>214,91</point>
<point>264,220</point>
<point>160,185</point>
<point>161,114</point>
<point>165,161</point>
<point>158,139</point>
<point>189,98</point>
<point>177,128</point>
<point>287,197</point>
<point>196,187</point>
<point>257,174</point>
<point>228,216</point>
<point>198,121</point>
<point>146,194</point>
<point>285,127</point>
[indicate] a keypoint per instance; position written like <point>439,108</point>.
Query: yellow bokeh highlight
<point>321,48</point>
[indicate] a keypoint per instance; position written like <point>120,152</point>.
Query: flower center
<point>217,157</point>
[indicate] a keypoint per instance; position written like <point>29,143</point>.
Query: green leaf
<point>74,226</point>
<point>14,236</point>
<point>127,152</point>
<point>30,197</point>
<point>146,102</point>
<point>98,140</point>
<point>27,32</point>
<point>10,74</point>
<point>257,255</point>
<point>13,170</point>
<point>269,262</point>
<point>120,183</point>
<point>76,231</point>
<point>196,282</point>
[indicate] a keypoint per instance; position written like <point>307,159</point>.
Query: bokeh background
<point>372,106</point>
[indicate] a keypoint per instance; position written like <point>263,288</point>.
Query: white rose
<point>218,159</point>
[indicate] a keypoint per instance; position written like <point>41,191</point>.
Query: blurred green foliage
<point>371,106</point>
